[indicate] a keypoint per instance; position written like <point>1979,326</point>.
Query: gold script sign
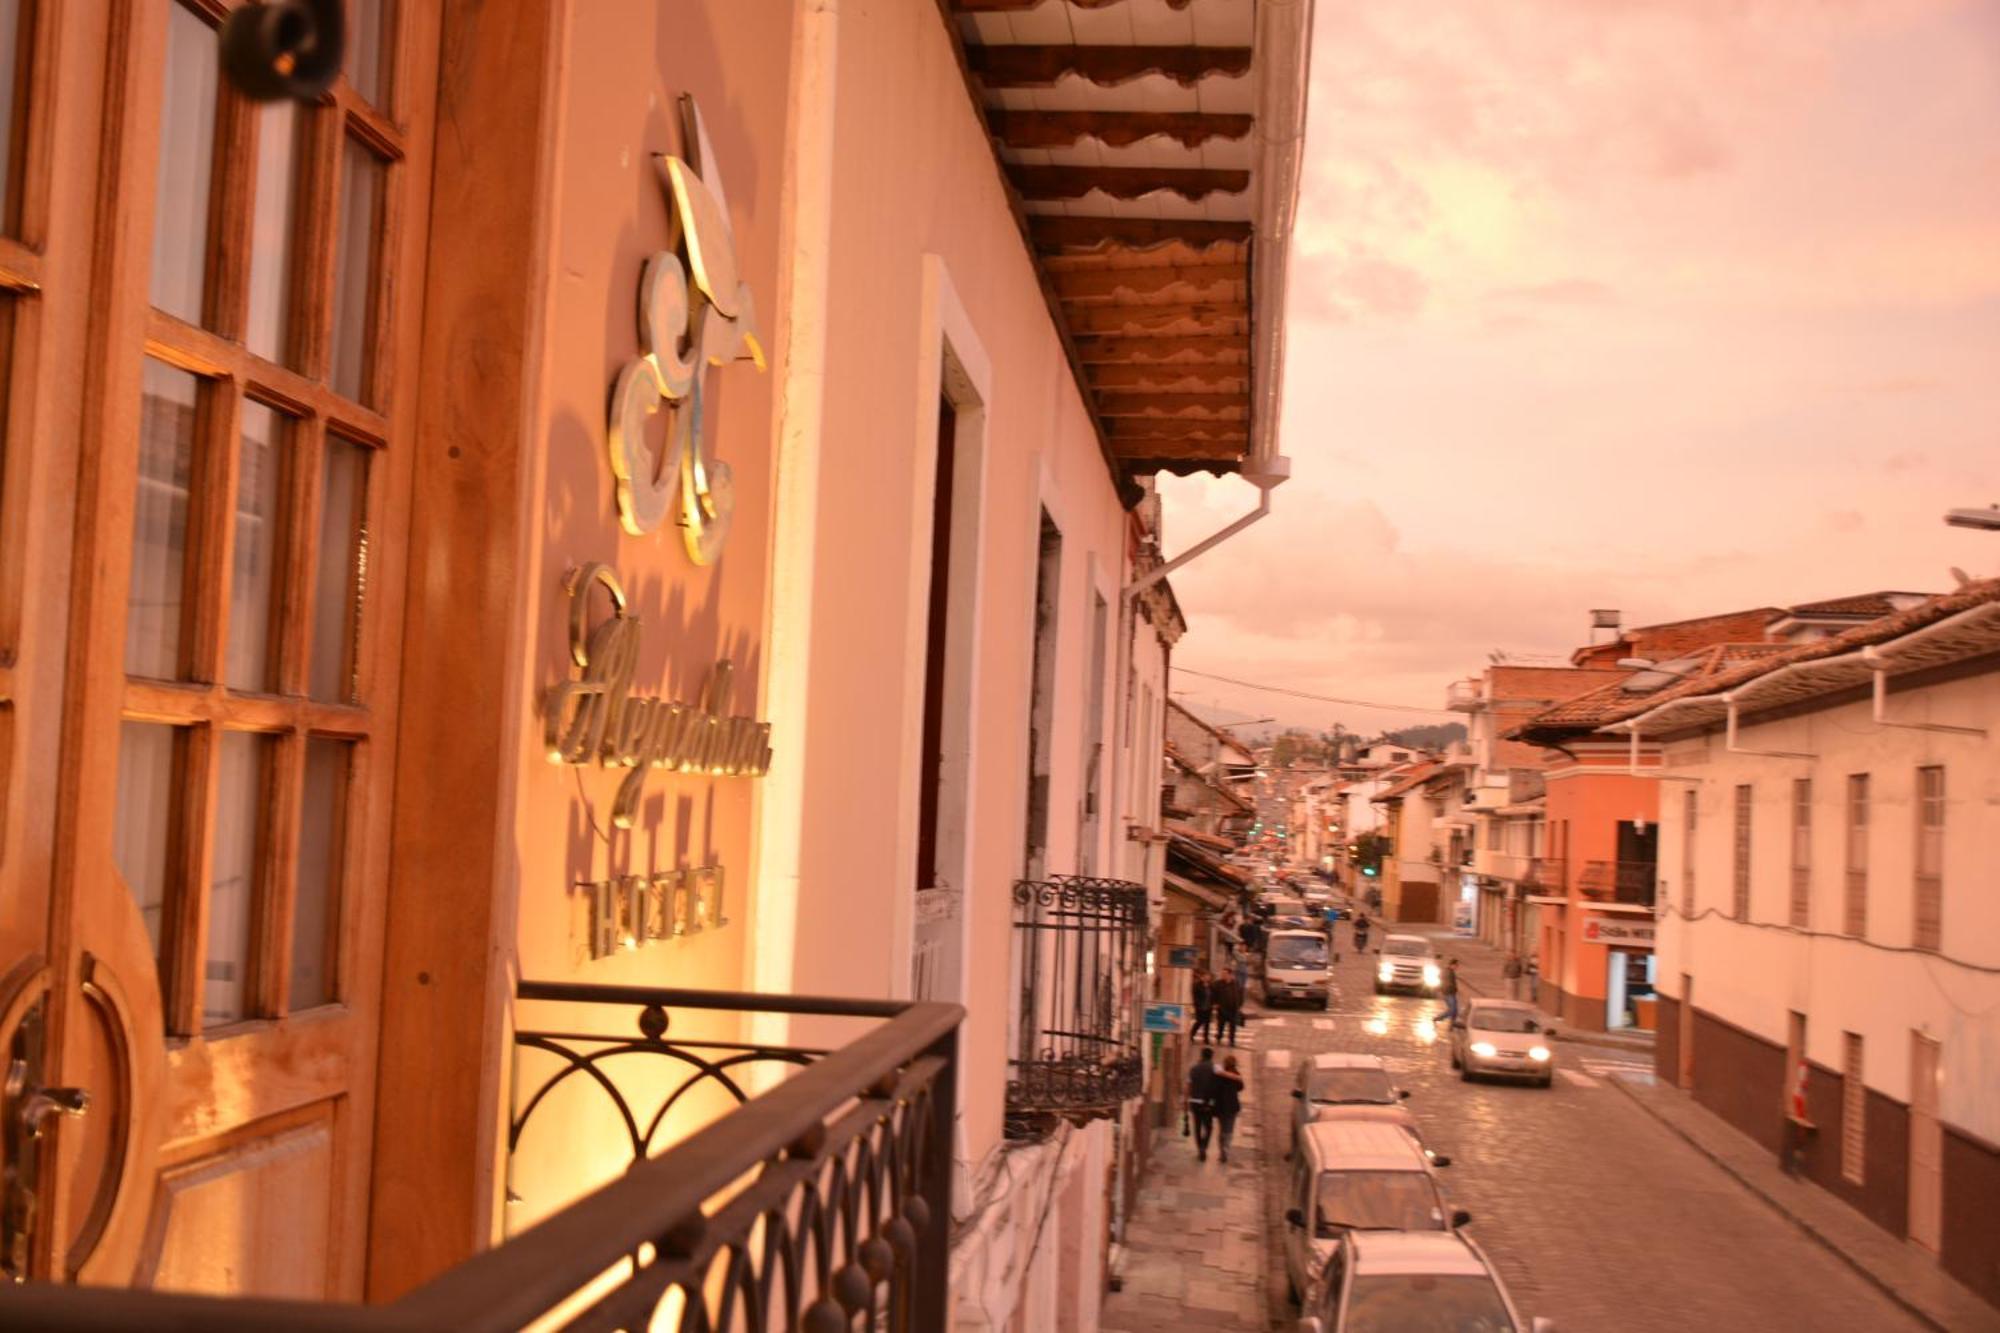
<point>597,718</point>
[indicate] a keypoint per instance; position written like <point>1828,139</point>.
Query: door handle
<point>27,1110</point>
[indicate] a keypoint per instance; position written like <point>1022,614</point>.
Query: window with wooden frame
<point>1928,932</point>
<point>1801,915</point>
<point>1854,915</point>
<point>1690,814</point>
<point>1740,905</point>
<point>1853,1110</point>
<point>245,747</point>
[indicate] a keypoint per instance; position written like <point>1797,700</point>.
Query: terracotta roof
<point>1208,839</point>
<point>1869,604</point>
<point>1739,668</point>
<point>1210,728</point>
<point>1412,779</point>
<point>1618,698</point>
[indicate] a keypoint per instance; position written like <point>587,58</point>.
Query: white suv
<point>1408,963</point>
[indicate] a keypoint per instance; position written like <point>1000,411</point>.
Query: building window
<point>1853,1110</point>
<point>1930,858</point>
<point>1855,918</point>
<point>1689,810</point>
<point>1802,852</point>
<point>1741,905</point>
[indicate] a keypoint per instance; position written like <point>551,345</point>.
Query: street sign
<point>1181,955</point>
<point>1165,1017</point>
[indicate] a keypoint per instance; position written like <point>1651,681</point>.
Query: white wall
<point>1753,975</point>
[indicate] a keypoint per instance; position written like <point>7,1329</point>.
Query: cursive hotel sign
<point>599,718</point>
<point>683,335</point>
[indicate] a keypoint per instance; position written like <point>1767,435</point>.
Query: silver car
<point>1503,1039</point>
<point>1402,1280</point>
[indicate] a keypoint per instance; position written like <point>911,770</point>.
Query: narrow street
<point>1597,1216</point>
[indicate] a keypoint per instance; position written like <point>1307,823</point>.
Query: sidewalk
<point>1912,1280</point>
<point>1194,1248</point>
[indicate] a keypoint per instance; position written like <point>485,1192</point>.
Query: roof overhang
<point>1153,150</point>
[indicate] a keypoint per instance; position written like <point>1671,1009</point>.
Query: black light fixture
<point>275,49</point>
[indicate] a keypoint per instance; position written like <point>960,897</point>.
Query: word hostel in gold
<point>597,718</point>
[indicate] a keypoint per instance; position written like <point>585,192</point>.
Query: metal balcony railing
<point>1079,953</point>
<point>1633,882</point>
<point>1542,874</point>
<point>824,1202</point>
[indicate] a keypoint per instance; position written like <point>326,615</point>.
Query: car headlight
<point>1431,974</point>
<point>1484,1048</point>
<point>1387,971</point>
<point>1538,1052</point>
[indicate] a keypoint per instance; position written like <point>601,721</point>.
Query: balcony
<point>1464,696</point>
<point>1079,955</point>
<point>1634,882</point>
<point>1542,875</point>
<point>824,1203</point>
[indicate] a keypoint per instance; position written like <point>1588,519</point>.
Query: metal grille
<point>1741,884</point>
<point>1619,881</point>
<point>1802,852</point>
<point>1855,915</point>
<point>1079,950</point>
<point>1929,925</point>
<point>1853,1110</point>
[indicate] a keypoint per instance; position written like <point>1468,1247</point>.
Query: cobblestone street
<point>1597,1216</point>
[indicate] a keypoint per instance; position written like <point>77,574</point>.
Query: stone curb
<point>1777,1206</point>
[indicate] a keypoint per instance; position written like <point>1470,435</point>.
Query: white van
<point>1297,968</point>
<point>1355,1174</point>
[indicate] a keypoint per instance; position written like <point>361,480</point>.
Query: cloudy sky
<point>1670,307</point>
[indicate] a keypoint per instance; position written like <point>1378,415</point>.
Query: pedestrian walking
<point>1201,1101</point>
<point>1204,1001</point>
<point>1228,1009</point>
<point>1242,978</point>
<point>1512,971</point>
<point>1228,1093</point>
<point>1360,933</point>
<point>1534,971</point>
<point>1450,990</point>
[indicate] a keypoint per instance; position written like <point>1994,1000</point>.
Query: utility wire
<point>1316,698</point>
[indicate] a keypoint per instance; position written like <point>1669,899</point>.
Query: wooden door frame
<point>447,990</point>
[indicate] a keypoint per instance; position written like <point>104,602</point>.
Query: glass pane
<point>143,826</point>
<point>254,563</point>
<point>343,563</point>
<point>368,30</point>
<point>15,43</point>
<point>322,838</point>
<point>273,229</point>
<point>239,807</point>
<point>187,157</point>
<point>160,523</point>
<point>361,174</point>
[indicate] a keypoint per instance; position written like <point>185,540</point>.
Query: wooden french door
<point>1926,1145</point>
<point>207,344</point>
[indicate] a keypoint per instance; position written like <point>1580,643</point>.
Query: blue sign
<point>1165,1017</point>
<point>1181,955</point>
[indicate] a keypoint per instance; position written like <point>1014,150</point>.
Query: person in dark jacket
<point>1228,1100</point>
<point>1201,1101</point>
<point>1204,1001</point>
<point>1228,1008</point>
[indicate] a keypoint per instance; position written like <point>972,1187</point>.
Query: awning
<point>1213,899</point>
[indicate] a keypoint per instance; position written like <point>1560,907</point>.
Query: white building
<point>1831,817</point>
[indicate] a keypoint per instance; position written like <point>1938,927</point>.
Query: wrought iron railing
<point>823,1203</point>
<point>1633,882</point>
<point>1079,952</point>
<point>1543,874</point>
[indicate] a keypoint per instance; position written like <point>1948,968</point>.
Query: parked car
<point>1411,1282</point>
<point>1297,968</point>
<point>1503,1039</point>
<point>1340,1085</point>
<point>1408,963</point>
<point>1356,1174</point>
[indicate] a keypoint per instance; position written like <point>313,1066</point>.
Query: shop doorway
<point>208,341</point>
<point>1629,997</point>
<point>1685,1044</point>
